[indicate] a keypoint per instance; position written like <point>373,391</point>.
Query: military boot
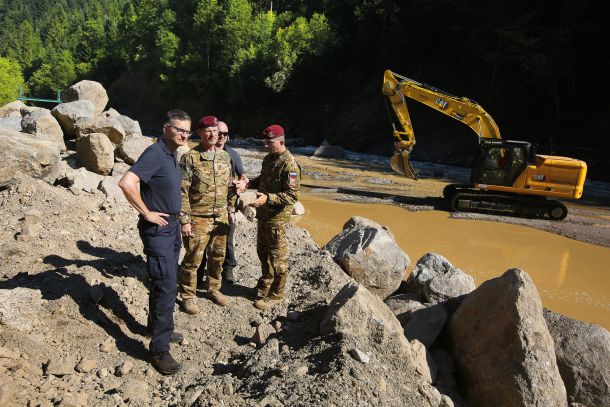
<point>165,363</point>
<point>217,298</point>
<point>190,306</point>
<point>267,303</point>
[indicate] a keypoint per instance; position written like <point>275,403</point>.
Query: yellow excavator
<point>507,177</point>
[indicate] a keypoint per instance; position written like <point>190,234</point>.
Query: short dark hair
<point>176,114</point>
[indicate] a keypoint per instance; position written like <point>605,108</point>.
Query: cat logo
<point>538,177</point>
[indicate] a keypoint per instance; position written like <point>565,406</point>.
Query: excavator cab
<point>500,162</point>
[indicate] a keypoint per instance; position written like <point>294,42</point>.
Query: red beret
<point>273,131</point>
<point>207,121</point>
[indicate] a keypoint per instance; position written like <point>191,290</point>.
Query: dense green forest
<point>538,67</point>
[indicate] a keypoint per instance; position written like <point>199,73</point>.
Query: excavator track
<point>462,198</point>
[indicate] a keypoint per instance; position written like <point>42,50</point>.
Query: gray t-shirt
<point>238,166</point>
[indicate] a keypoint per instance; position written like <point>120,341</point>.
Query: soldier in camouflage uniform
<point>278,190</point>
<point>208,195</point>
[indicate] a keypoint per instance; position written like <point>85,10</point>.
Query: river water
<point>572,277</point>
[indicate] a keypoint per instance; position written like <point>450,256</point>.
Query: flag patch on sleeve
<point>292,179</point>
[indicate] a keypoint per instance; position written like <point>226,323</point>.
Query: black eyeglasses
<point>179,130</point>
<point>223,134</point>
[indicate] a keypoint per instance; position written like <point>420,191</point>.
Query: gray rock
<point>368,253</point>
<point>68,113</point>
<point>111,113</point>
<point>96,152</point>
<point>327,150</point>
<point>12,109</point>
<point>119,169</point>
<point>426,324</point>
<point>110,187</point>
<point>502,346</point>
<point>11,123</point>
<point>402,305</point>
<point>86,365</point>
<point>134,390</point>
<point>583,357</point>
<point>133,147</point>
<point>24,154</point>
<point>298,209</point>
<point>263,332</point>
<point>366,323</point>
<point>124,368</point>
<point>87,90</point>
<point>61,366</point>
<point>110,126</point>
<point>437,280</point>
<point>42,124</point>
<point>86,180</point>
<point>132,127</point>
<point>360,356</point>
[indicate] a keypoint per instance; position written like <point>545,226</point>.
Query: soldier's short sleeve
<point>291,184</point>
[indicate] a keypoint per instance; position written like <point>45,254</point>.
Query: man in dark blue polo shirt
<point>158,201</point>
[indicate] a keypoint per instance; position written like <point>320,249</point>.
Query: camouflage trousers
<point>273,255</point>
<point>206,233</point>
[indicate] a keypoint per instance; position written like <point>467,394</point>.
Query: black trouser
<point>230,262</point>
<point>162,247</point>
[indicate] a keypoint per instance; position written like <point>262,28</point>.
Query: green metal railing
<point>23,98</point>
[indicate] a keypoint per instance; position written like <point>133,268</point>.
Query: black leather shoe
<point>227,275</point>
<point>177,337</point>
<point>165,363</point>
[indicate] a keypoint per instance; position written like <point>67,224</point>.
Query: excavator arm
<point>397,88</point>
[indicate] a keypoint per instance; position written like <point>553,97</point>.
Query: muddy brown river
<point>572,277</point>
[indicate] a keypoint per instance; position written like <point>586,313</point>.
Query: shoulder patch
<point>292,179</point>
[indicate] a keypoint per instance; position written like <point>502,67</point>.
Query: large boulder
<point>368,252</point>
<point>367,324</point>
<point>503,348</point>
<point>110,126</point>
<point>22,153</point>
<point>133,147</point>
<point>583,357</point>
<point>437,280</point>
<point>12,109</point>
<point>68,113</point>
<point>41,123</point>
<point>87,90</point>
<point>96,152</point>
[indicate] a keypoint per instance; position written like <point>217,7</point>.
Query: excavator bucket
<point>401,164</point>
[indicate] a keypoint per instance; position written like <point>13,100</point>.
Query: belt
<point>214,215</point>
<point>170,218</point>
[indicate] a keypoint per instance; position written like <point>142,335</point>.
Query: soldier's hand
<point>158,218</point>
<point>232,217</point>
<point>261,199</point>
<point>241,184</point>
<point>186,230</point>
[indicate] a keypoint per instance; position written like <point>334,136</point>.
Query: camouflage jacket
<point>207,188</point>
<point>280,179</point>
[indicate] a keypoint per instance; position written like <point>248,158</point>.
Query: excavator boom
<point>397,88</point>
